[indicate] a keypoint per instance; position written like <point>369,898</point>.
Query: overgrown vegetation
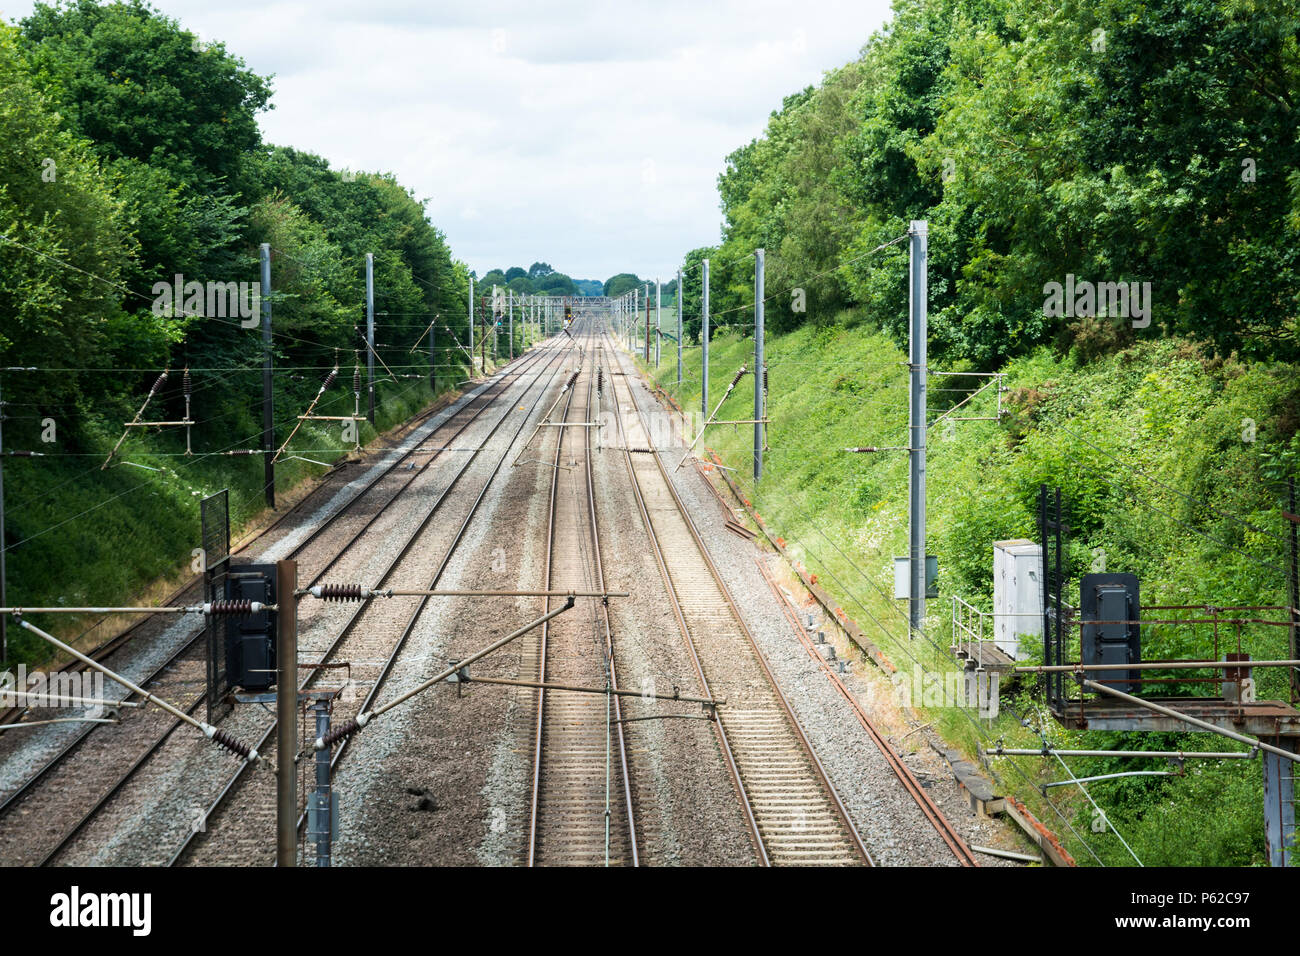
<point>1127,141</point>
<point>132,157</point>
<point>1122,141</point>
<point>1149,447</point>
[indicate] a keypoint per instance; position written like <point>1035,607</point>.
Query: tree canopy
<point>1124,141</point>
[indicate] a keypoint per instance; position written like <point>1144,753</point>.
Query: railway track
<point>795,815</point>
<point>582,798</point>
<point>581,811</point>
<point>241,818</point>
<point>95,758</point>
<point>117,646</point>
<point>929,809</point>
<point>190,591</point>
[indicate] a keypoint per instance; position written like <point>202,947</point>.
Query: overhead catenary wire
<point>192,460</point>
<point>806,279</point>
<point>121,287</point>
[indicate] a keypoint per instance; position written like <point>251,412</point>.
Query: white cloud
<point>589,135</point>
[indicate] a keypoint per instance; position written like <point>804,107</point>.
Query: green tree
<point>141,87</point>
<point>66,243</point>
<point>621,284</point>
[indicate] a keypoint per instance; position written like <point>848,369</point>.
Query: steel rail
<point>161,739</point>
<point>338,639</point>
<point>539,729</point>
<point>538,753</point>
<point>720,732</point>
<point>78,740</point>
<point>820,771</point>
<point>931,811</point>
<point>386,670</point>
<point>609,637</point>
<point>108,646</point>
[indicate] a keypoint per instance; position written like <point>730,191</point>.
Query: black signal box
<point>1110,607</point>
<point>250,640</point>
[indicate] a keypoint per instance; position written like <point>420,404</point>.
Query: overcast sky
<point>587,135</point>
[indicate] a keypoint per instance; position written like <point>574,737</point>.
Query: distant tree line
<point>538,279</point>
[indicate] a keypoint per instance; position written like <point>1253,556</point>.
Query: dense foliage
<point>1121,141</point>
<point>1166,457</point>
<point>132,157</point>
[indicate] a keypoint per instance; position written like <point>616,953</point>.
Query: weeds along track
<point>581,811</point>
<point>105,766</point>
<point>794,813</point>
<point>371,635</point>
<point>929,809</point>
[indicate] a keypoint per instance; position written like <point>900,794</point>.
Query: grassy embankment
<point>82,536</point>
<point>1151,447</point>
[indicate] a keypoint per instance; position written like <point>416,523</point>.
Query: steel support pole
<point>704,342</point>
<point>1279,805</point>
<point>286,713</point>
<point>917,320</point>
<point>760,370</point>
<point>659,323</point>
<point>433,368</point>
<point>1294,582</point>
<point>324,797</point>
<point>679,328</point>
<point>647,323</point>
<point>4,598</point>
<point>471,326</point>
<point>370,336</point>
<point>511,339</point>
<point>268,396</point>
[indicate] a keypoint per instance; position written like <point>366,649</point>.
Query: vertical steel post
<point>370,336</point>
<point>286,714</point>
<point>704,342</point>
<point>323,796</point>
<point>659,324</point>
<point>433,367</point>
<point>471,326</point>
<point>760,370</point>
<point>4,618</point>
<point>268,396</point>
<point>512,325</point>
<point>917,299</point>
<point>679,328</point>
<point>647,323</point>
<point>1295,579</point>
<point>1279,804</point>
